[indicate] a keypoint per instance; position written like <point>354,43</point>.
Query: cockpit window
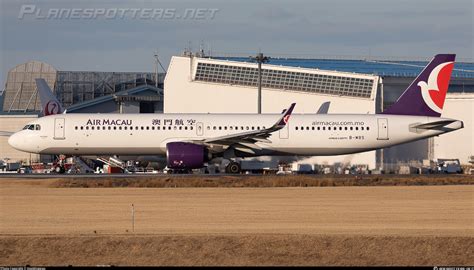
<point>32,127</point>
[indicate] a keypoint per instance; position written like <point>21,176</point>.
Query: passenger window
<point>75,127</point>
<point>147,128</point>
<point>103,127</point>
<point>247,127</point>
<point>87,128</point>
<point>296,128</point>
<point>208,128</point>
<point>115,127</point>
<point>158,128</point>
<point>82,128</point>
<point>367,128</point>
<point>38,127</point>
<point>175,127</point>
<point>120,128</point>
<point>220,128</point>
<point>186,128</point>
<point>319,128</point>
<point>324,128</point>
<point>357,128</point>
<point>92,128</point>
<point>361,128</point>
<point>153,128</point>
<point>180,127</point>
<point>225,127</point>
<point>307,128</point>
<point>312,128</point>
<point>253,127</point>
<point>340,128</point>
<point>169,128</point>
<point>191,128</point>
<point>329,128</point>
<point>345,128</point>
<point>109,127</point>
<point>214,127</point>
<point>351,128</point>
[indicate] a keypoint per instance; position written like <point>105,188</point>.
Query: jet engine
<point>183,156</point>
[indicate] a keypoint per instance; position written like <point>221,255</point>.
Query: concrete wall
<point>15,123</point>
<point>458,144</point>
<point>182,95</point>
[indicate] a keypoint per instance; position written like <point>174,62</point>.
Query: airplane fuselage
<point>148,134</point>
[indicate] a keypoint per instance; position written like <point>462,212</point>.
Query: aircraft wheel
<point>233,167</point>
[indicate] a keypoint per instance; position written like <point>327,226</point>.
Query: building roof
<point>103,99</point>
<point>376,67</point>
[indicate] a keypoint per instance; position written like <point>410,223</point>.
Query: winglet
<point>324,108</point>
<point>286,116</point>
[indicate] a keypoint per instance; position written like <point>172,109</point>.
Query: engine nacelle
<point>181,155</point>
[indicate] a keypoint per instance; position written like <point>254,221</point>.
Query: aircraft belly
<point>310,151</point>
<point>104,151</point>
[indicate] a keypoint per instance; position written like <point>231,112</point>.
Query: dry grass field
<point>44,223</point>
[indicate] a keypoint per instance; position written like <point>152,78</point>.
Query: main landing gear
<point>233,167</point>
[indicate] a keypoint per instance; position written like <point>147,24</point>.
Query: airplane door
<point>200,129</point>
<point>284,132</point>
<point>59,129</point>
<point>383,129</point>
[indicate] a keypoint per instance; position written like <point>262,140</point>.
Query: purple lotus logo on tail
<point>434,91</point>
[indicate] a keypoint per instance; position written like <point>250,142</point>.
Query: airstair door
<point>200,129</point>
<point>383,129</point>
<point>285,132</point>
<point>59,129</point>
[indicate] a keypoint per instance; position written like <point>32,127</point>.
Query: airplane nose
<point>14,141</point>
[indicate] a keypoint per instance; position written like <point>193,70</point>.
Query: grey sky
<point>289,28</point>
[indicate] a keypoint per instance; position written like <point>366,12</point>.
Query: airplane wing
<point>6,133</point>
<point>245,141</point>
<point>324,108</point>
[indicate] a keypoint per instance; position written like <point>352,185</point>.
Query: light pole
<point>260,59</point>
<point>157,62</point>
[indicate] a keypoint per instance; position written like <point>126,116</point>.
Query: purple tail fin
<point>426,94</point>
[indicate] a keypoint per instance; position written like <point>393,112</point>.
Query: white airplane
<point>190,140</point>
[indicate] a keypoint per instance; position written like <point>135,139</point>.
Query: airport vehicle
<point>449,166</point>
<point>189,141</point>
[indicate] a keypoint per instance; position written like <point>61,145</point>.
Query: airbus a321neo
<point>189,141</point>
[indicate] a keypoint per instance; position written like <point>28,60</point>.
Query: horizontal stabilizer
<point>436,124</point>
